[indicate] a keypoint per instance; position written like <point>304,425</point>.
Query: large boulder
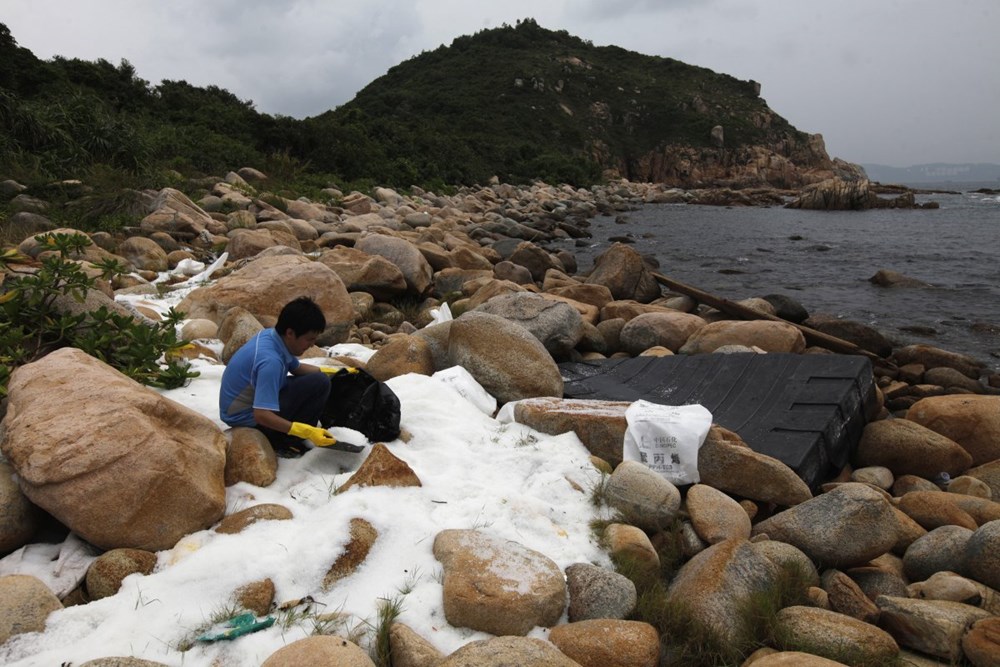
<point>173,212</point>
<point>643,496</point>
<point>862,335</point>
<point>363,272</point>
<point>715,516</point>
<point>19,520</point>
<point>940,550</point>
<point>835,636</point>
<point>728,464</point>
<point>105,574</point>
<point>143,253</point>
<point>934,627</point>
<point>320,650</point>
<point>622,270</point>
<point>557,325</point>
<point>504,357</point>
<point>506,652</point>
<point>982,555</point>
<point>971,421</point>
<point>25,604</point>
<point>847,526</point>
<point>768,335</point>
<point>600,425</point>
<point>244,243</point>
<point>597,592</point>
<point>497,586</point>
<point>907,448</point>
<point>929,356</point>
<point>717,583</point>
<point>670,330</point>
<point>116,462</point>
<point>404,255</point>
<point>608,643</point>
<point>401,354</point>
<point>265,285</point>
<point>536,260</point>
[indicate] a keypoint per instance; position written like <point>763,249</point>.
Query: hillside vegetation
<point>518,102</point>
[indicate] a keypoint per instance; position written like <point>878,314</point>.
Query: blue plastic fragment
<point>238,626</point>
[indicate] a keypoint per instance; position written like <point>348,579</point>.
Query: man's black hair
<point>301,316</point>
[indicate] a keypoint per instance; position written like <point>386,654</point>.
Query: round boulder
<point>907,448</point>
<point>25,604</point>
<point>504,357</point>
<point>105,574</point>
<point>982,555</point>
<point>942,549</point>
<point>400,355</point>
<point>141,475</point>
<point>404,255</point>
<point>669,330</point>
<point>608,642</point>
<point>265,285</point>
<point>320,650</point>
<point>597,592</point>
<point>834,636</point>
<point>624,272</point>
<point>767,335</point>
<point>144,253</point>
<point>556,324</point>
<point>847,526</point>
<point>715,516</point>
<point>644,496</point>
<point>507,651</point>
<point>20,518</point>
<point>971,421</point>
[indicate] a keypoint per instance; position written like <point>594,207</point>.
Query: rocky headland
<point>894,560</point>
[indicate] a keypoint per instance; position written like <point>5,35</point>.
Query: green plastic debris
<point>238,626</point>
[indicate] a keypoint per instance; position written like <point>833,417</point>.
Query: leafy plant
<point>36,320</point>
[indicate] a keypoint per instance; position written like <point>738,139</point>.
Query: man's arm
<point>302,369</point>
<point>271,420</point>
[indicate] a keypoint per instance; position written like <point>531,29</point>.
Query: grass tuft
<point>388,611</point>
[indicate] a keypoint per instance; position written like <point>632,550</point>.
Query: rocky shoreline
<point>900,562</point>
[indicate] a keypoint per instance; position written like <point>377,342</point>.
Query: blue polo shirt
<point>254,378</point>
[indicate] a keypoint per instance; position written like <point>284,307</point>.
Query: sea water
<point>824,259</point>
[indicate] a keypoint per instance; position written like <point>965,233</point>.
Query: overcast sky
<point>896,82</point>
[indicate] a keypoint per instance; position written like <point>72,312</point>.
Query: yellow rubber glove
<point>334,370</point>
<point>315,435</point>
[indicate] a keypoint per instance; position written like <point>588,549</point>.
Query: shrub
<point>32,324</point>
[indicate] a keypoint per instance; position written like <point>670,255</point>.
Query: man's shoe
<point>292,450</point>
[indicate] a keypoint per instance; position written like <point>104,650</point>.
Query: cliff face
<point>789,160</point>
<point>781,166</point>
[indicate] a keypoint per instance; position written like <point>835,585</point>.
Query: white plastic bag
<point>462,381</point>
<point>441,315</point>
<point>666,438</point>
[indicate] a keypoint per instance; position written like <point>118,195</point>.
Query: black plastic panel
<point>805,410</point>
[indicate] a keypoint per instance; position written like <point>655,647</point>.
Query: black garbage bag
<point>360,402</point>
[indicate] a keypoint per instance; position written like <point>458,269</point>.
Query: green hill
<point>517,102</point>
<point>522,102</point>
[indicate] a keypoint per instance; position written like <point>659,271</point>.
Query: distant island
<point>936,172</point>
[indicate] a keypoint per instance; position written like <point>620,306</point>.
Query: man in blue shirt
<point>265,386</point>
